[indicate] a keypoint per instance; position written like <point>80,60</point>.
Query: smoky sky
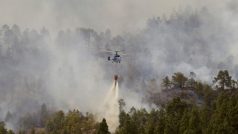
<point>118,15</point>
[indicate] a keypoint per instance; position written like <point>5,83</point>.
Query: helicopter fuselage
<point>116,58</point>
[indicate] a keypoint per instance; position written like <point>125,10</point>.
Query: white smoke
<point>68,71</point>
<point>110,107</point>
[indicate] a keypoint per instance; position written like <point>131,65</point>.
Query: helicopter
<point>116,58</point>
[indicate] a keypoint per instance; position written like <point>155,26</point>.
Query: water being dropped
<point>110,107</point>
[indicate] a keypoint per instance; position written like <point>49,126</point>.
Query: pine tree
<point>178,79</point>
<point>103,127</point>
<point>223,80</point>
<point>3,130</point>
<point>166,83</point>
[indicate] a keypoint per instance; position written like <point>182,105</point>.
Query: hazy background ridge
<point>68,69</point>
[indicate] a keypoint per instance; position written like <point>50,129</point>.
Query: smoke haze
<point>68,69</point>
<point>120,16</point>
<point>110,107</point>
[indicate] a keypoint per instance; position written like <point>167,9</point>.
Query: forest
<point>182,67</point>
<point>217,113</point>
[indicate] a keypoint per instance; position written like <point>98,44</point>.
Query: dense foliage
<point>217,114</point>
<point>3,129</point>
<point>181,117</point>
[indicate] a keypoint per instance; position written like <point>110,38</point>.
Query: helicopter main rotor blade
<point>106,51</point>
<point>119,50</point>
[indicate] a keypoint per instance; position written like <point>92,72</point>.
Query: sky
<point>120,16</point>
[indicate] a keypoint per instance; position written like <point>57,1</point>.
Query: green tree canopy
<point>178,79</point>
<point>103,127</point>
<point>166,83</point>
<point>223,80</point>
